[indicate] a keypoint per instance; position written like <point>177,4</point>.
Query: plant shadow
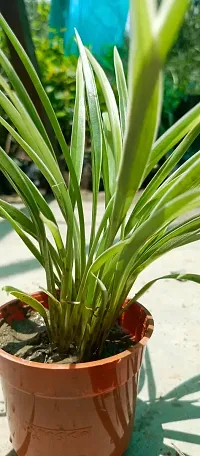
<point>2,409</point>
<point>149,434</point>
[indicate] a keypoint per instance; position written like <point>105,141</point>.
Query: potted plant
<point>87,407</point>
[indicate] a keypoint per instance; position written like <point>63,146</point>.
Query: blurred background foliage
<point>57,71</point>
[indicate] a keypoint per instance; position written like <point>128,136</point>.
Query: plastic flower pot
<point>82,409</point>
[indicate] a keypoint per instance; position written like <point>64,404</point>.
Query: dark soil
<point>27,339</point>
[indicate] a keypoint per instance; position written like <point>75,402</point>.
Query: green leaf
<point>38,197</point>
<point>107,255</point>
<point>158,219</point>
<point>22,223</point>
<point>135,157</point>
<point>111,108</point>
<point>184,178</point>
<point>21,119</point>
<point>190,225</point>
<point>180,277</point>
<point>30,301</point>
<point>98,263</point>
<point>103,289</point>
<point>105,171</point>
<point>50,171</point>
<point>171,162</point>
<point>164,171</point>
<point>172,136</point>
<point>121,88</point>
<point>162,246</point>
<point>177,241</point>
<point>176,236</point>
<point>184,182</point>
<point>161,217</point>
<point>23,95</point>
<point>96,131</point>
<point>109,157</point>
<point>23,187</point>
<point>55,233</point>
<point>169,19</point>
<point>97,310</point>
<point>35,79</point>
<point>58,304</point>
<point>144,96</point>
<point>52,117</point>
<point>78,129</point>
<point>31,152</point>
<point>154,251</point>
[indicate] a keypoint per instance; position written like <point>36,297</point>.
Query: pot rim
<point>111,359</point>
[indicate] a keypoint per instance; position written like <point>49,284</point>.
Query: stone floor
<point>168,408</point>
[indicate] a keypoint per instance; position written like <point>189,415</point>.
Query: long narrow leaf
<point>105,170</point>
<point>57,186</point>
<point>172,136</point>
<point>144,95</point>
<point>78,129</point>
<point>180,277</point>
<point>30,301</point>
<point>23,95</point>
<point>122,89</point>
<point>111,171</point>
<point>55,233</point>
<point>52,117</point>
<point>96,133</point>
<point>161,247</point>
<point>186,181</point>
<point>39,88</point>
<point>26,224</point>
<point>100,261</point>
<point>170,17</point>
<point>163,172</point>
<point>111,107</point>
<point>159,219</point>
<point>23,188</point>
<point>21,119</point>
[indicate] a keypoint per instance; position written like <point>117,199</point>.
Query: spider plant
<point>93,283</point>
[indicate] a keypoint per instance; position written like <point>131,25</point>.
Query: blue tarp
<point>100,24</point>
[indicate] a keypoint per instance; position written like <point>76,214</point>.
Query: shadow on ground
<point>148,437</point>
<point>2,409</point>
<point>19,267</point>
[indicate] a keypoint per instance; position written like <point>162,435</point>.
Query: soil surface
<point>27,339</point>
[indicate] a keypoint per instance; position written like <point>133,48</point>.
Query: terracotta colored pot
<point>79,409</point>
